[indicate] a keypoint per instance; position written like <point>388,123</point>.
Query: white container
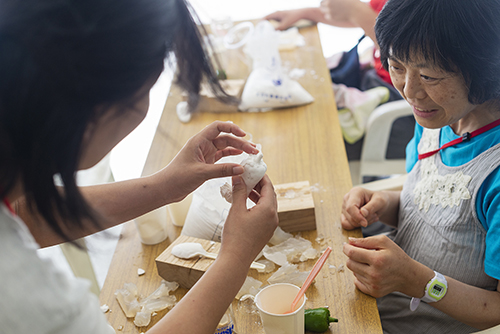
<point>152,226</point>
<point>273,302</point>
<point>178,211</point>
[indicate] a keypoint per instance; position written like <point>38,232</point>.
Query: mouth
<point>423,112</point>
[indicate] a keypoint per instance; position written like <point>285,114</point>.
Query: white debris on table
<point>270,266</point>
<point>250,286</point>
<point>140,272</point>
<point>292,250</point>
<point>289,273</point>
<point>141,310</point>
<point>280,236</point>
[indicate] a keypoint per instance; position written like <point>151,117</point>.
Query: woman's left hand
<point>195,163</point>
<point>380,266</point>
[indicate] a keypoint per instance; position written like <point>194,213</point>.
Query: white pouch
<point>268,86</point>
<point>208,210</point>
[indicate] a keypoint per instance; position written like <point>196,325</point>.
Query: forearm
<point>365,17</point>
<point>200,310</point>
<point>114,203</point>
<point>391,212</point>
<point>315,14</point>
<point>471,305</point>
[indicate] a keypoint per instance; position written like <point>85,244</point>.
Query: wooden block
<point>295,206</point>
<point>185,272</point>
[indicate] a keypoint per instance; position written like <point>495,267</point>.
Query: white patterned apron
<point>439,228</point>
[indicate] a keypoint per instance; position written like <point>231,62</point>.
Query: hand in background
<point>286,18</point>
<point>381,267</point>
<point>362,207</point>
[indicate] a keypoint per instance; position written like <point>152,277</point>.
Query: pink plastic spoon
<point>312,275</point>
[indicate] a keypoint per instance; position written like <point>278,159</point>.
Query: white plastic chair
<point>493,330</point>
<point>378,129</point>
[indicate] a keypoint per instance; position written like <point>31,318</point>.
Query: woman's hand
<point>381,267</point>
<point>195,163</point>
<point>362,207</point>
<point>246,231</point>
<point>286,18</point>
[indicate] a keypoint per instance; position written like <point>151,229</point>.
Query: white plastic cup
<point>178,211</point>
<point>152,226</point>
<point>273,302</point>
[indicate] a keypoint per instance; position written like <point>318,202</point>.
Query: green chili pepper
<point>318,319</point>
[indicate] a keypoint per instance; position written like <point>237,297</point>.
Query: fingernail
<point>353,239</point>
<point>238,170</point>
<point>364,212</point>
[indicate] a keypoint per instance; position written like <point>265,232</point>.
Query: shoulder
<point>35,289</point>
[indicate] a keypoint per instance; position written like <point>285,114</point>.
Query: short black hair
<point>61,61</point>
<point>457,35</point>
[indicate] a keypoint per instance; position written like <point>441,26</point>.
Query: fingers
<point>274,16</point>
<point>223,142</point>
<point>266,188</point>
<point>239,193</point>
<point>211,131</point>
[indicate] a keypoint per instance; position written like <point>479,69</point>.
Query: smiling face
<point>438,98</point>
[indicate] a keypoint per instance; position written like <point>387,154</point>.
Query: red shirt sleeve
<point>377,5</point>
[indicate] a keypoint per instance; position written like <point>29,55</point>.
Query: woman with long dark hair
<point>75,80</point>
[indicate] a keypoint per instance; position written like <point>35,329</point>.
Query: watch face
<point>437,290</point>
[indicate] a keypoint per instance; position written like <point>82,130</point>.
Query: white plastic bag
<point>268,86</point>
<point>208,210</point>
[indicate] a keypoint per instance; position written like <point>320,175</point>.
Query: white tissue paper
<point>268,86</point>
<point>209,209</point>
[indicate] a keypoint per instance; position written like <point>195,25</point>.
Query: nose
<point>413,88</point>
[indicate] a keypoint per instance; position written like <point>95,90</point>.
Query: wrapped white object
<point>268,86</point>
<point>209,209</point>
<point>255,169</point>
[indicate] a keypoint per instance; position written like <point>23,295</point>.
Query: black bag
<point>348,71</point>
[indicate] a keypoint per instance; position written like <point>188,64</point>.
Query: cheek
<point>398,83</point>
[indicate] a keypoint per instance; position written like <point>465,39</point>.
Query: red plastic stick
<point>312,275</point>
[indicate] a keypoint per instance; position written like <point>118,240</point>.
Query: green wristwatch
<point>434,291</point>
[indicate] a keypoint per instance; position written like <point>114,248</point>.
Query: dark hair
<point>61,61</point>
<point>457,36</point>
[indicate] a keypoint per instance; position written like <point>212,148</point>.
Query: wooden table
<point>302,143</point>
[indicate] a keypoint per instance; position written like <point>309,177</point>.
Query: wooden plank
<point>185,272</point>
<point>301,143</point>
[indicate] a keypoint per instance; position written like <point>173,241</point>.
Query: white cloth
<point>35,296</point>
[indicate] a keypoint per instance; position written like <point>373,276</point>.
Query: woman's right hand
<point>247,231</point>
<point>362,207</point>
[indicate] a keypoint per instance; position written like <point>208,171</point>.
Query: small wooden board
<point>185,272</point>
<point>295,206</point>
